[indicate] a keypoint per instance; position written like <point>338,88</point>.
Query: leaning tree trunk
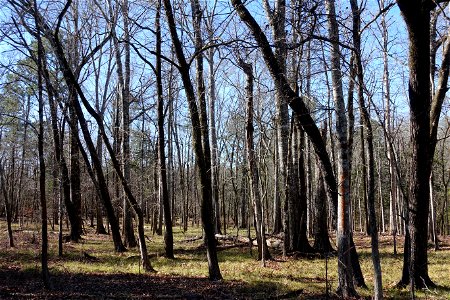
<point>71,82</point>
<point>296,102</point>
<point>198,139</point>
<point>320,228</point>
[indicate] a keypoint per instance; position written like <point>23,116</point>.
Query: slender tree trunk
<point>433,232</point>
<point>263,252</point>
<point>129,239</point>
<point>344,234</point>
<point>364,178</point>
<point>164,193</point>
<point>388,129</point>
<point>76,228</point>
<point>277,20</point>
<point>365,116</point>
<point>43,199</point>
<point>302,237</point>
<point>213,134</point>
<point>100,227</point>
<point>277,220</point>
<point>6,198</point>
<point>200,146</point>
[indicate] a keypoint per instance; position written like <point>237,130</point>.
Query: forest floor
<point>102,273</point>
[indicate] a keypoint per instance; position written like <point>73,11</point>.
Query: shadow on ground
<point>19,284</point>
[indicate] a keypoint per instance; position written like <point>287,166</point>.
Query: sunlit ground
<point>279,277</point>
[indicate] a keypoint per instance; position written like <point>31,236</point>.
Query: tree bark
<point>417,16</point>
<point>76,228</point>
<point>301,240</point>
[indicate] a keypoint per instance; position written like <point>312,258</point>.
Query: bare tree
<point>164,193</point>
<point>201,148</point>
<point>425,110</point>
<point>43,199</point>
<point>356,32</point>
<point>277,20</point>
<point>345,272</point>
<point>263,252</point>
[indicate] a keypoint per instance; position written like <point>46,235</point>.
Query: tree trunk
<point>364,178</point>
<point>302,243</point>
<point>277,20</point>
<point>124,88</point>
<point>164,193</point>
<point>43,199</point>
<point>321,238</point>
<point>7,205</point>
<point>388,132</point>
<point>213,134</point>
<point>417,17</point>
<point>433,231</point>
<point>365,116</point>
<point>260,228</point>
<point>199,145</point>
<point>100,227</point>
<point>76,228</point>
<point>344,234</point>
<point>277,220</point>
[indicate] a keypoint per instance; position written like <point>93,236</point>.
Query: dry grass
<point>239,267</point>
